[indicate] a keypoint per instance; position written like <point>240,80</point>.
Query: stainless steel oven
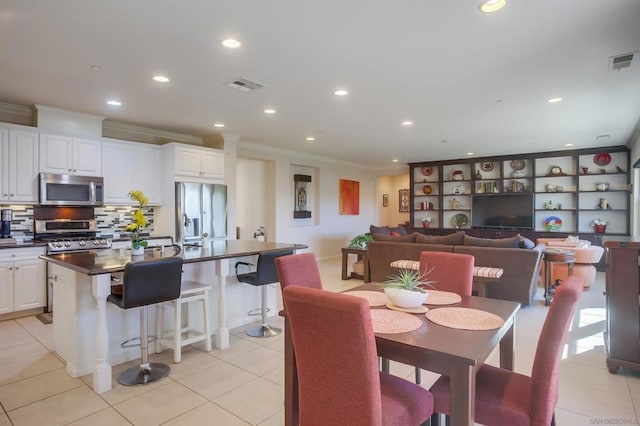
<point>71,190</point>
<point>66,229</point>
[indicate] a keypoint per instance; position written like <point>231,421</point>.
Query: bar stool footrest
<point>129,343</point>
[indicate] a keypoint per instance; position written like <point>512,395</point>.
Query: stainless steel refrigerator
<point>200,208</point>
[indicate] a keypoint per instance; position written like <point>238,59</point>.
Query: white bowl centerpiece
<point>406,288</point>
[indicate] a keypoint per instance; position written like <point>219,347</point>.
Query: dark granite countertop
<point>94,262</point>
<point>24,244</point>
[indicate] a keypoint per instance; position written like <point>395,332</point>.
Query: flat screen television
<point>502,211</point>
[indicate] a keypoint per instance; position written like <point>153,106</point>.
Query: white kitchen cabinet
<point>127,166</point>
<point>68,155</point>
<point>19,165</point>
<point>22,279</point>
<point>199,162</point>
<point>147,171</point>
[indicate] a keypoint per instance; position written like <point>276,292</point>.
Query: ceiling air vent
<point>245,85</point>
<point>621,61</point>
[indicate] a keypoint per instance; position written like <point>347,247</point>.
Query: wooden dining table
<point>452,352</point>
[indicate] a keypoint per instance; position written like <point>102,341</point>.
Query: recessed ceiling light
<point>554,100</point>
<point>470,153</point>
<point>310,139</point>
<point>568,144</point>
<point>407,123</point>
<point>341,92</point>
<point>161,78</point>
<point>269,111</point>
<point>603,137</point>
<point>395,160</point>
<point>443,141</point>
<point>218,125</point>
<point>231,43</point>
<point>492,5</point>
<point>113,102</point>
<point>95,68</point>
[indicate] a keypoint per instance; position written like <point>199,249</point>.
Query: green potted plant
<point>406,288</point>
<point>259,234</point>
<point>360,241</point>
<point>139,223</point>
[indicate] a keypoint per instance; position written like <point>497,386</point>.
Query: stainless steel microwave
<point>70,190</point>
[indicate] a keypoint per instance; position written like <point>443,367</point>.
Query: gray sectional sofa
<point>521,265</point>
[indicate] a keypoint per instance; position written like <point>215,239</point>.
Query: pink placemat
<point>437,297</point>
<point>464,318</point>
<point>392,322</point>
<point>375,298</point>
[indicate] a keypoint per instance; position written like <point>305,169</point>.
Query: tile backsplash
<point>111,220</point>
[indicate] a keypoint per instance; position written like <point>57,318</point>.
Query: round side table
<point>552,256</point>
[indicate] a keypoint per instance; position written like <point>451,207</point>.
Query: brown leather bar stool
<point>264,274</point>
<point>145,283</point>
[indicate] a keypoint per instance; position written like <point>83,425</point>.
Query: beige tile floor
<point>243,385</point>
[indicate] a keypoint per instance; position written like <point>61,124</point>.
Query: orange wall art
<point>349,197</point>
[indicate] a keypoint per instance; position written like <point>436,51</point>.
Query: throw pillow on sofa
<point>385,230</point>
<point>411,238</point>
<point>517,241</point>
<point>450,240</point>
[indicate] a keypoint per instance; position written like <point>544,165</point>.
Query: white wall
<point>327,231</point>
<point>390,215</point>
<point>253,196</point>
<point>634,146</point>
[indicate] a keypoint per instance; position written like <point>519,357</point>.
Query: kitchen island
<point>87,332</point>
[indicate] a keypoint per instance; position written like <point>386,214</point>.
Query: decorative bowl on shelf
<point>427,189</point>
<point>604,186</point>
<point>553,223</point>
<point>602,159</point>
<point>460,220</point>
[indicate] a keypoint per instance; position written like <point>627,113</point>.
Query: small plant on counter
<point>360,241</point>
<point>259,232</point>
<point>139,221</point>
<point>598,222</point>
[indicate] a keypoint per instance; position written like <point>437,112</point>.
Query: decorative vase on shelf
<point>600,229</point>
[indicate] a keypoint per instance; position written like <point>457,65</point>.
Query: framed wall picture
<point>349,196</point>
<point>385,200</point>
<point>300,197</point>
<point>404,200</point>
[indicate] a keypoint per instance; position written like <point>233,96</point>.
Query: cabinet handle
<point>69,170</point>
<point>75,170</point>
<point>54,278</point>
<point>17,267</point>
<point>11,195</point>
<point>10,268</point>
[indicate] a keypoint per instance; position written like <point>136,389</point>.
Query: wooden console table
<point>362,255</point>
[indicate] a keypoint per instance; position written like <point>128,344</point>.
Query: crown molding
<point>113,129</point>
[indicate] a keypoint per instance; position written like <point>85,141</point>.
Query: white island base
<point>88,330</point>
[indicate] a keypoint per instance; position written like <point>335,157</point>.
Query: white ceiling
<point>477,81</point>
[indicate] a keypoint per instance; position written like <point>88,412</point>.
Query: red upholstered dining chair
<point>504,397</point>
<point>298,269</point>
<point>452,271</point>
<point>339,381</point>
